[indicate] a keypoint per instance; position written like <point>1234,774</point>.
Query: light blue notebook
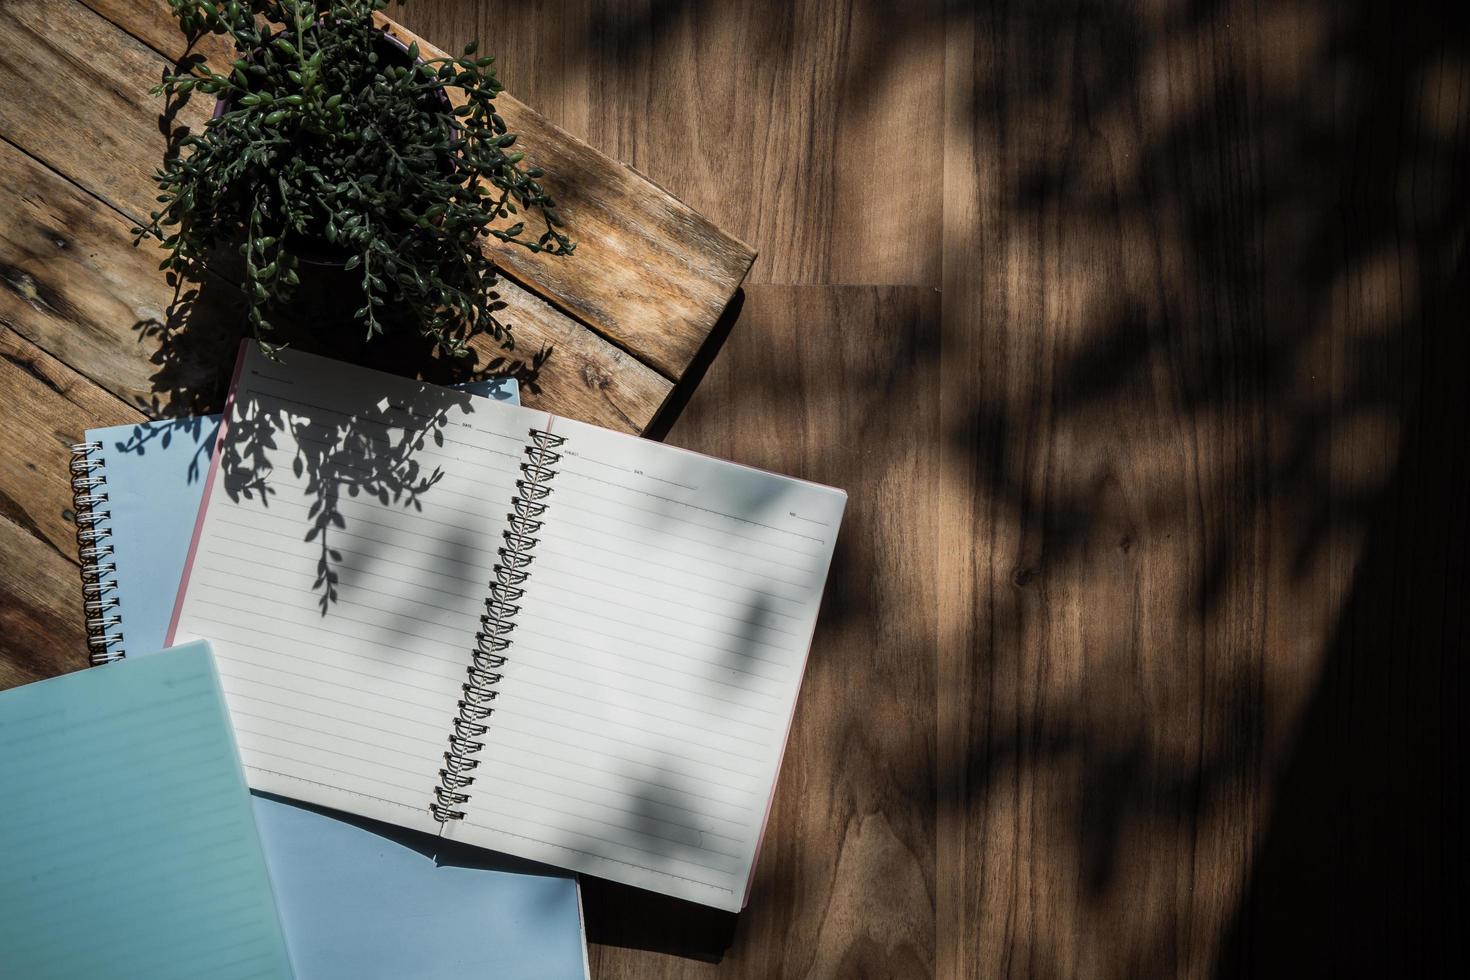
<point>127,842</point>
<point>358,898</point>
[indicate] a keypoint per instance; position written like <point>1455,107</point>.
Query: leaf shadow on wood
<point>1244,359</point>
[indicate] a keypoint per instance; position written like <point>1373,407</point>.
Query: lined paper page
<point>127,841</point>
<point>340,571</point>
<point>655,665</point>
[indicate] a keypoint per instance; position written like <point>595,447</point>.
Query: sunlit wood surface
<point>1137,333</point>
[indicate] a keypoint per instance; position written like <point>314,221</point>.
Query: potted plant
<point>335,147</point>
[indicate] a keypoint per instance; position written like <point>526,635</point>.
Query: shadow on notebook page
<point>623,916</point>
<point>368,447</point>
<point>195,343</point>
<point>200,430</point>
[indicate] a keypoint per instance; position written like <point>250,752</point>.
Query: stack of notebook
<point>470,642</point>
<point>358,898</point>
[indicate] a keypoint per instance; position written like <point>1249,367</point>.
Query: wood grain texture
<point>649,272</point>
<point>807,128</point>
<point>50,407</point>
<point>72,282</point>
<point>60,243</point>
<point>1205,276</point>
<point>47,408</point>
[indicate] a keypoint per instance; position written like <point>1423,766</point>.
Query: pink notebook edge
<point>214,465</point>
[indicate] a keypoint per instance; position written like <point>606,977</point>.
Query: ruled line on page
<point>665,514</point>
<point>602,685</point>
<point>349,724</point>
<point>458,629</point>
<point>544,551</point>
<point>742,811</point>
<point>283,636</point>
<point>656,851</point>
<point>541,846</point>
<point>594,529</point>
<point>356,587</point>
<point>643,679</point>
<point>542,739</point>
<point>685,503</point>
<point>342,532</point>
<point>253,682</point>
<point>674,654</point>
<point>358,570</point>
<point>536,793</point>
<point>562,503</point>
<point>624,592</point>
<point>355,671</point>
<point>351,511</point>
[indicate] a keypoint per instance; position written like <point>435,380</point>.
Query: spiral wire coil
<point>94,550</point>
<point>476,703</point>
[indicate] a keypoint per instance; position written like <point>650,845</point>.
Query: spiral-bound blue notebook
<point>357,898</point>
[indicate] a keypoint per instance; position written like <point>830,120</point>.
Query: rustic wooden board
<point>649,272</point>
<point>102,283</point>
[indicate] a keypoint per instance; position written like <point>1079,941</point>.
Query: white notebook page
<point>390,495</point>
<point>654,667</point>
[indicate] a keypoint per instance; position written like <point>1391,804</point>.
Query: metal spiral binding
<point>528,506</point>
<point>99,579</point>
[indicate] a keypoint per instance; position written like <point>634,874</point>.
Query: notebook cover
<point>127,841</point>
<point>358,898</point>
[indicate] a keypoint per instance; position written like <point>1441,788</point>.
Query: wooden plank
<point>72,282</point>
<point>48,407</point>
<point>649,272</point>
<point>809,128</point>
<point>41,630</point>
<point>63,246</point>
<point>845,884</point>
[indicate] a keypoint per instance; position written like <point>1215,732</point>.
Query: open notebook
<point>357,898</point>
<point>510,628</point>
<point>127,847</point>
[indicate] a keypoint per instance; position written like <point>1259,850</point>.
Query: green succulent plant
<point>335,147</point>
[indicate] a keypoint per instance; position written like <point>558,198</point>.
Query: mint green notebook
<point>127,842</point>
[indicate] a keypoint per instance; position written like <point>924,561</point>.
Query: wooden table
<point>1139,656</point>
